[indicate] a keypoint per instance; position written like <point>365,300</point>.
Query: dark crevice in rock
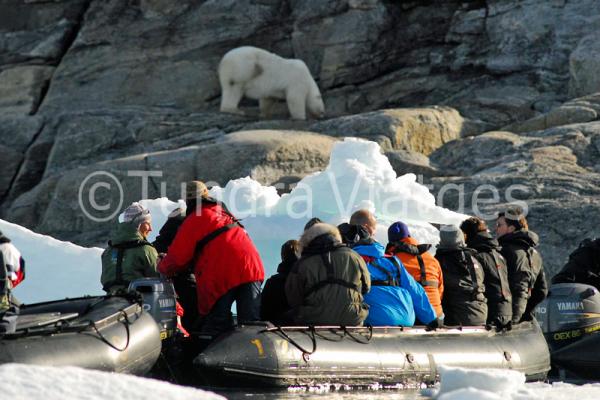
<point>43,91</point>
<point>155,186</point>
<point>18,170</point>
<point>485,18</point>
<point>69,39</point>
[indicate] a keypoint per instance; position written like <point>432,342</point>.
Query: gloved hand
<point>433,325</point>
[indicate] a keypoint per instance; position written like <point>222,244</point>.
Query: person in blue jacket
<point>395,297</point>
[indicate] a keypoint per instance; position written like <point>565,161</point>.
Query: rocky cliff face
<point>119,85</point>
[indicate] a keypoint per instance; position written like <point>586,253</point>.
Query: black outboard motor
<point>159,301</point>
<point>570,313</point>
<point>570,320</point>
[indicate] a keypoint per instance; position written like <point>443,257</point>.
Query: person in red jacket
<point>418,262</point>
<point>225,262</point>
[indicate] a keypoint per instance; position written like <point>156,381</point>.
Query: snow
<point>28,382</point>
<point>497,384</point>
<point>54,269</point>
<point>357,176</point>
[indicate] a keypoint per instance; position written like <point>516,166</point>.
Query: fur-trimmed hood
<point>323,235</point>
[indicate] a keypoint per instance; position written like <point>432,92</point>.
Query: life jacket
<point>118,252</point>
<point>391,280</point>
<point>414,250</point>
<point>460,274</point>
<point>331,279</point>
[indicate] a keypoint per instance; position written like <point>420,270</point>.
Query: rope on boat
<point>104,340</point>
<point>312,335</point>
<point>356,339</point>
<point>330,339</point>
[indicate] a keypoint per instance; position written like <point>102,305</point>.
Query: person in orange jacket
<point>418,262</point>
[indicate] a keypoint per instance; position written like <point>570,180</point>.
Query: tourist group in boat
<point>329,276</point>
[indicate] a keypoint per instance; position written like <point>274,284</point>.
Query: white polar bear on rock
<point>258,74</point>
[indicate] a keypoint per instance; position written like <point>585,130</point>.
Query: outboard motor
<point>159,301</point>
<point>571,312</point>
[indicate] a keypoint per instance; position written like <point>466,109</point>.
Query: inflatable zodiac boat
<point>264,354</point>
<point>109,333</point>
<point>570,320</point>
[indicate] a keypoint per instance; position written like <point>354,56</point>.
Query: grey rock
<point>570,114</point>
<point>28,209</point>
<point>504,100</point>
<point>419,130</point>
<point>469,155</point>
<point>405,162</point>
<point>34,164</point>
<point>21,88</point>
<point>584,63</point>
<point>172,169</point>
<point>11,160</point>
<point>466,22</point>
<point>267,156</point>
<point>18,132</point>
<point>37,31</point>
<point>581,110</point>
<point>72,210</point>
<point>93,136</point>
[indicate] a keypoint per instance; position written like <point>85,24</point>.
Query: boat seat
<point>37,320</point>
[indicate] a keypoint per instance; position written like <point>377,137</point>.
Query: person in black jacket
<point>185,283</point>
<point>274,305</point>
<point>525,269</point>
<point>497,288</point>
<point>464,302</point>
<point>583,265</point>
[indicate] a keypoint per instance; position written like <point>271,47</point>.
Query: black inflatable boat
<point>570,320</point>
<point>109,333</point>
<point>264,354</point>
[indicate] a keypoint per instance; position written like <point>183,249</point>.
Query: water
<point>321,394</point>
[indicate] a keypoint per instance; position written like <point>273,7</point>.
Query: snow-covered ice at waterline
<point>29,382</point>
<point>32,382</point>
<point>497,384</point>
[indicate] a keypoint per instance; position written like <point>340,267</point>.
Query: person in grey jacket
<point>525,269</point>
<point>326,286</point>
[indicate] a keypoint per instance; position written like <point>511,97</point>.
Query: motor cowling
<point>159,300</point>
<point>569,313</point>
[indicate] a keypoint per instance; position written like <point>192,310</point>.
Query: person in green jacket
<point>129,255</point>
<point>327,284</point>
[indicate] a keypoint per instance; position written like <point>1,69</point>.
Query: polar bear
<point>258,74</point>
